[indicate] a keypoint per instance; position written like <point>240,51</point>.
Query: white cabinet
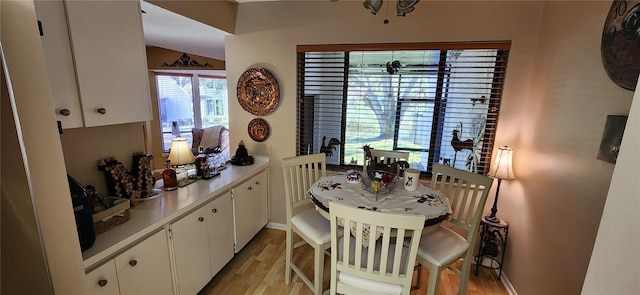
<point>220,227</point>
<point>143,269</point>
<point>146,268</point>
<point>250,208</point>
<point>103,280</point>
<point>191,252</point>
<point>97,69</point>
<point>59,61</point>
<point>202,244</point>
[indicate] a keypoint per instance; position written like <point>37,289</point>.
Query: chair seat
<point>442,246</point>
<point>313,225</point>
<point>369,285</point>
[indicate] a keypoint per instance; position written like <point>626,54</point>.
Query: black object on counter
<point>241,157</point>
<point>83,214</point>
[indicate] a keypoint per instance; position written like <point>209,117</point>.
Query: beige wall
<point>556,100</point>
<point>157,58</point>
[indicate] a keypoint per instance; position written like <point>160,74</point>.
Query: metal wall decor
<point>258,91</point>
<point>185,61</point>
<point>620,46</point>
<point>259,129</point>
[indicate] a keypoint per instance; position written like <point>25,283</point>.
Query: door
<point>146,268</point>
<point>250,208</point>
<point>220,227</point>
<point>191,252</point>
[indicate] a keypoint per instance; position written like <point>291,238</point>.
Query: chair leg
<point>464,275</point>
<point>288,257</point>
<point>434,280</point>
<point>318,270</point>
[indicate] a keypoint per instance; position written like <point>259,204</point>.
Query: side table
<point>493,244</point>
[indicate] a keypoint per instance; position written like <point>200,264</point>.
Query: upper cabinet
<point>96,60</point>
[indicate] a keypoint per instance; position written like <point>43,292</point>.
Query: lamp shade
<point>502,167</point>
<point>180,153</point>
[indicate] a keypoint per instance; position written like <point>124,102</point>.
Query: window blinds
<point>439,102</point>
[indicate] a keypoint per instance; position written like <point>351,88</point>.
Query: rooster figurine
<point>328,149</point>
<point>458,144</point>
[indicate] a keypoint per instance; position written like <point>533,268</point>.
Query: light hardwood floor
<point>259,269</point>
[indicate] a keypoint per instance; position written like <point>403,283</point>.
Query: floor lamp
<point>502,168</point>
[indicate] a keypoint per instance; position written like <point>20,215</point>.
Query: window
<point>438,101</point>
<point>193,101</point>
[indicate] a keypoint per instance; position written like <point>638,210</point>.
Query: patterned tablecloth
<point>424,201</point>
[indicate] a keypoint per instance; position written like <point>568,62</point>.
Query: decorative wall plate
<point>621,43</point>
<point>258,91</point>
<point>259,129</point>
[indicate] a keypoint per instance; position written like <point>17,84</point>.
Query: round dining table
<point>432,204</point>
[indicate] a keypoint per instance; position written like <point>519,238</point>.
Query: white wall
<point>615,262</point>
<point>43,168</point>
<point>556,99</point>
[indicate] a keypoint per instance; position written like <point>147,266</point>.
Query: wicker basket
<point>109,218</point>
<point>379,182</point>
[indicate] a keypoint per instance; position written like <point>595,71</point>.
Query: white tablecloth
<point>424,201</point>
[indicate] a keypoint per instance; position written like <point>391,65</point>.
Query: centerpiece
<point>379,182</point>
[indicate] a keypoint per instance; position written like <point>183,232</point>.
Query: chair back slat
<point>375,246</point>
<point>299,174</point>
<point>385,157</point>
<point>467,193</point>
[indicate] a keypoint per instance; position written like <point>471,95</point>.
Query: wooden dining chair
<point>371,260</point>
<point>384,158</point>
<point>439,249</point>
<point>302,219</point>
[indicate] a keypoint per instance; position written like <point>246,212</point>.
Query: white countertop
<point>147,217</point>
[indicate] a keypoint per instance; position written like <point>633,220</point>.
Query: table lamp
<point>180,154</point>
<point>502,168</point>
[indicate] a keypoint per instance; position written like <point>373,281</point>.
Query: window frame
<point>502,48</point>
<point>195,100</point>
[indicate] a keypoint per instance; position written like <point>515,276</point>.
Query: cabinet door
<point>220,227</point>
<point>110,61</point>
<point>146,268</point>
<point>103,280</point>
<point>191,252</point>
<point>250,208</point>
<point>59,61</point>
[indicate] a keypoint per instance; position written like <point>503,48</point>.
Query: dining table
<point>341,188</point>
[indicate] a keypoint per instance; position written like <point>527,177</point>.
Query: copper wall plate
<point>258,91</point>
<point>259,129</point>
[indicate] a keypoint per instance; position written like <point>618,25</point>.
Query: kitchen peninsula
<point>212,218</point>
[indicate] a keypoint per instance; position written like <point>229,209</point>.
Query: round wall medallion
<point>258,91</point>
<point>259,130</point>
<point>621,43</point>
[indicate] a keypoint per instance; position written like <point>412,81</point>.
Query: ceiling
<point>166,29</point>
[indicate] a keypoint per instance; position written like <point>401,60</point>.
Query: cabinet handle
<point>102,283</point>
<point>133,262</point>
<point>102,111</point>
<point>201,219</point>
<point>214,210</point>
<point>250,188</point>
<point>65,112</point>
<point>257,182</point>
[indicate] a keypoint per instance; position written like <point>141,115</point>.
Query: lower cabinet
<point>250,208</point>
<point>103,280</point>
<point>143,269</point>
<point>202,244</point>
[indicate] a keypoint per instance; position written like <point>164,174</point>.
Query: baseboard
<point>507,284</point>
<point>278,226</point>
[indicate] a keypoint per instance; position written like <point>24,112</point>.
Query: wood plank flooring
<point>259,269</point>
